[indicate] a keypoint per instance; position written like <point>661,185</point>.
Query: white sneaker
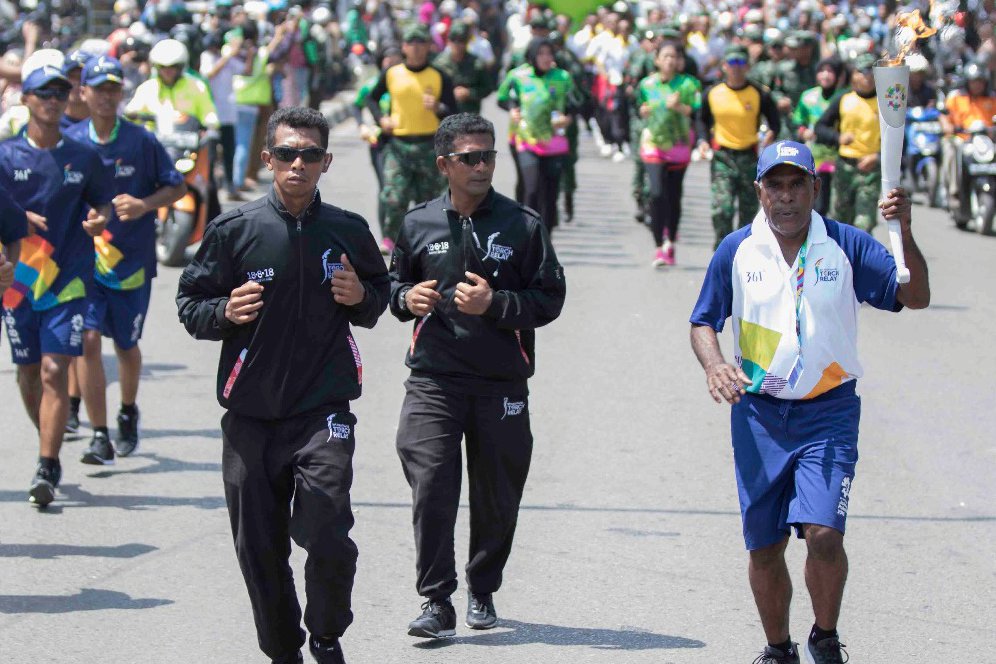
<point>606,150</point>
<point>618,157</point>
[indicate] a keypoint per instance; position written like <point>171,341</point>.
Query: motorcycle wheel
<point>171,243</point>
<point>931,180</point>
<point>983,209</point>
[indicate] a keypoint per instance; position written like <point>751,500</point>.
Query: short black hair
<point>297,117</point>
<point>461,124</point>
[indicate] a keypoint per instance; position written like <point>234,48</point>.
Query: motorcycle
<point>976,201</point>
<point>923,152</point>
<point>182,224</point>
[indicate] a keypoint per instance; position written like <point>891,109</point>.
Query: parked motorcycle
<point>975,204</point>
<point>923,152</point>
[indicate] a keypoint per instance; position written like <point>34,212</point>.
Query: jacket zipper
<point>300,272</point>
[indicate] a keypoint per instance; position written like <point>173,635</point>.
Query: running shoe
<point>481,612</point>
<point>438,620</point>
<point>618,156</point>
<point>660,260</point>
<point>100,452</point>
<point>326,651</point>
<point>127,441</point>
<point>826,651</point>
<point>772,655</point>
<point>387,246</point>
<point>73,423</point>
<point>46,479</point>
<point>605,150</point>
<point>669,255</point>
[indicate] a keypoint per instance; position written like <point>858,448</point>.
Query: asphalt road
<point>629,546</point>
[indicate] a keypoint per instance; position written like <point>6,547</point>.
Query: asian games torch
<point>892,84</point>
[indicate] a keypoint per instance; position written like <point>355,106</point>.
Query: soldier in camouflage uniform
<point>764,67</point>
<point>641,64</point>
<point>797,74</point>
<point>580,98</point>
<point>731,115</point>
<point>851,122</point>
<point>471,81</point>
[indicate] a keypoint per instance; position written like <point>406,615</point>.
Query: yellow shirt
<point>736,115</point>
<point>859,116</point>
<point>406,87</point>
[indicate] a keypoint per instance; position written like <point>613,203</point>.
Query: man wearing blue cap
<point>76,109</point>
<point>53,179</point>
<point>793,282</point>
<point>144,180</point>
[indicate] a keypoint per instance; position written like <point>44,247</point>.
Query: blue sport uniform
<point>44,308</point>
<point>13,221</point>
<point>795,433</point>
<point>125,252</point>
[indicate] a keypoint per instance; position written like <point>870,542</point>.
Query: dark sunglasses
<point>62,94</point>
<point>474,157</point>
<point>737,62</point>
<point>290,155</point>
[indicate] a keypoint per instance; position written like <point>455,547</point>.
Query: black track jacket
<point>507,244</point>
<point>298,355</point>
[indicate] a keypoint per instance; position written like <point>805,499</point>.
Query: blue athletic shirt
<point>126,251</point>
<point>749,280</point>
<point>13,221</point>
<point>56,265</point>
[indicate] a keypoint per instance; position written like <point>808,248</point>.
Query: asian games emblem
<point>895,96</point>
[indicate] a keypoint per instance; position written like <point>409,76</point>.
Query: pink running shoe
<point>668,255</point>
<point>660,260</point>
<point>387,246</point>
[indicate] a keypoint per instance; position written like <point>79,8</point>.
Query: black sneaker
<point>42,490</point>
<point>73,423</point>
<point>100,452</point>
<point>826,651</point>
<point>438,620</point>
<point>326,651</point>
<point>772,655</point>
<point>480,612</point>
<point>127,441</point>
<point>296,658</point>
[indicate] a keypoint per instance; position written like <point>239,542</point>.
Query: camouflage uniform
<point>732,173</point>
<point>469,73</point>
<point>855,194</point>
<point>410,174</point>
<point>795,79</point>
<point>641,65</point>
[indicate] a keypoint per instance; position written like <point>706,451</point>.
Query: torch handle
<point>896,240</point>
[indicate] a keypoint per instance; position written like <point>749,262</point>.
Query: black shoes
<point>438,620</point>
<point>127,441</point>
<point>772,655</point>
<point>326,651</point>
<point>826,651</point>
<point>100,452</point>
<point>480,612</point>
<point>73,423</point>
<point>46,479</point>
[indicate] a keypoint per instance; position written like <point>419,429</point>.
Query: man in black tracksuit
<point>279,281</point>
<point>477,273</point>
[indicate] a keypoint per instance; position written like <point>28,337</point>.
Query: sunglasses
<point>289,155</point>
<point>62,94</point>
<point>474,157</point>
<point>737,62</point>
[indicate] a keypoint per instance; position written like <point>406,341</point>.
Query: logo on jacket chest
<point>496,252</point>
<point>123,170</point>
<point>261,275</point>
<point>329,265</point>
<point>22,174</point>
<point>825,273</point>
<point>70,176</point>
<point>437,248</point>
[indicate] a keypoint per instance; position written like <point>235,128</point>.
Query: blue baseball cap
<point>75,60</point>
<point>102,70</point>
<point>785,152</point>
<point>41,77</point>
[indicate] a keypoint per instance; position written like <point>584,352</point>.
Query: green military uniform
<point>794,79</point>
<point>641,65</point>
<point>470,72</point>
<point>580,99</point>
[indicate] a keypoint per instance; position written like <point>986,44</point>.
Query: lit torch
<point>892,84</point>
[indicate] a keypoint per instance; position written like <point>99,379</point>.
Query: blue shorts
<point>118,314</point>
<point>794,462</point>
<point>55,331</point>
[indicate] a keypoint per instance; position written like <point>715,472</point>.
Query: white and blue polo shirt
<point>749,280</point>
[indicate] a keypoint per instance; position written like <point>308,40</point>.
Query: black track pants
<point>666,185</point>
<point>499,448</point>
<point>291,479</point>
<point>541,179</point>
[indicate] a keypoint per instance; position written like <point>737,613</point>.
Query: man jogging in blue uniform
<point>793,283</point>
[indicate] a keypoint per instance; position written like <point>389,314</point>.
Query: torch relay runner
<point>793,281</point>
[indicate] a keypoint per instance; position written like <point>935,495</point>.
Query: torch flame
<point>910,27</point>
